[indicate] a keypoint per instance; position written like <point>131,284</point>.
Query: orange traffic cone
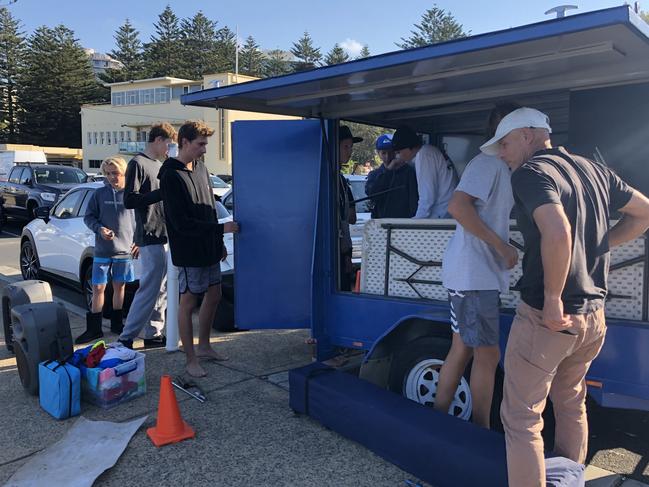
<point>170,427</point>
<point>357,285</point>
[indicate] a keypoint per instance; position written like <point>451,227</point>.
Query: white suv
<point>58,244</point>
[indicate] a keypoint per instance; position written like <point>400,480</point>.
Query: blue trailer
<point>589,72</point>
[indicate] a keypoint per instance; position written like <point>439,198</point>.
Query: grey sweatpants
<point>150,302</point>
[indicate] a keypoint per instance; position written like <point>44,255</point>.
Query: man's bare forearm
<point>556,253</point>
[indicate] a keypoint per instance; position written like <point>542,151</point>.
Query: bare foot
<point>194,369</point>
<point>211,354</point>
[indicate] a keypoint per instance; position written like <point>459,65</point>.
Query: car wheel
<point>29,264</point>
<point>414,373</point>
<point>31,210</point>
<point>86,286</point>
<point>3,217</point>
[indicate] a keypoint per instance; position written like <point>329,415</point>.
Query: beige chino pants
<point>541,362</point>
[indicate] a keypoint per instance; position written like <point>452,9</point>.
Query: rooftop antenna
<point>561,10</point>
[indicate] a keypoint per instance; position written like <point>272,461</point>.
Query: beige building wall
<point>110,129</point>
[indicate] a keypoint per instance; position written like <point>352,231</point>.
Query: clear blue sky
<point>278,23</point>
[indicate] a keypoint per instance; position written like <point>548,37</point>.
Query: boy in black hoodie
<point>195,240</point>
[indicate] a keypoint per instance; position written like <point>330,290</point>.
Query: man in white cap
<point>564,203</point>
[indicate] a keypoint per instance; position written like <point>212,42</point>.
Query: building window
<point>147,97</point>
<point>94,163</point>
<point>114,137</point>
<point>108,139</point>
<point>89,138</point>
<point>222,133</point>
<point>128,136</point>
<point>94,135</point>
<point>132,97</point>
<point>101,137</point>
<point>118,98</point>
<point>162,95</point>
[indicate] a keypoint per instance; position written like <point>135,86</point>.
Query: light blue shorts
<point>120,269</point>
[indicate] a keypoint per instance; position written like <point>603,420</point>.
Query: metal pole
<point>172,305</point>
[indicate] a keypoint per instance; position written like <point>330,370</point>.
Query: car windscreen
<point>358,190</point>
<point>217,182</point>
<point>59,175</point>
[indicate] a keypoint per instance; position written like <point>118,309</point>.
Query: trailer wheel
<point>415,371</point>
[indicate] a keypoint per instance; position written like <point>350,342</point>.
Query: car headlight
<point>48,196</point>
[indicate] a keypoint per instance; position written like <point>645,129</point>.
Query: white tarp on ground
<point>88,449</point>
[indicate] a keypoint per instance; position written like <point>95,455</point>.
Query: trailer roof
<point>457,82</point>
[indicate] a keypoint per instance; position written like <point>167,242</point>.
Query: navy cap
<point>344,132</point>
<point>384,142</point>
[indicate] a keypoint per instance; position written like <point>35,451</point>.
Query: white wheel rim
<point>421,386</point>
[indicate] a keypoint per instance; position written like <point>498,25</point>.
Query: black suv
<point>31,186</point>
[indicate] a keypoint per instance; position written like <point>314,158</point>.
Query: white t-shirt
<point>469,263</point>
<point>436,181</point>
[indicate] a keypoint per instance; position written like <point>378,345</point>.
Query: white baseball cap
<point>518,119</point>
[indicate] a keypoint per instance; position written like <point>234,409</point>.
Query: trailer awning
<point>537,64</point>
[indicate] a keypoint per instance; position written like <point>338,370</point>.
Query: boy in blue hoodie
<point>114,227</point>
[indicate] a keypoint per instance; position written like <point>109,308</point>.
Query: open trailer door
<point>276,167</point>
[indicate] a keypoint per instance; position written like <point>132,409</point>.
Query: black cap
<point>344,132</point>
<point>405,138</point>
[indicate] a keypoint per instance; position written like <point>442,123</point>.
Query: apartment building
<point>122,126</point>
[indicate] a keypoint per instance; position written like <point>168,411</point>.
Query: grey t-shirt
<point>469,263</point>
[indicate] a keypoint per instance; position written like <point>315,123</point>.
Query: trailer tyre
<point>415,371</point>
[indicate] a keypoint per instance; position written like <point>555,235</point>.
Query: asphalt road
<point>619,439</point>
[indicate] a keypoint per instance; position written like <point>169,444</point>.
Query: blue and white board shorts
<point>475,315</point>
<point>196,280</point>
<point>120,269</point>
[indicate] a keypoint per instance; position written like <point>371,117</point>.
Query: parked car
<point>363,214</point>
<point>33,186</point>
<point>219,187</point>
<point>57,244</point>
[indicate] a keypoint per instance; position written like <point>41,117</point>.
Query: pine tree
<point>199,44</point>
<point>307,55</point>
<point>251,58</point>
<point>163,53</point>
<point>365,52</point>
<point>12,53</point>
<point>128,51</point>
<point>436,25</point>
<point>226,46</point>
<point>276,64</point>
<point>57,79</point>
<point>337,55</point>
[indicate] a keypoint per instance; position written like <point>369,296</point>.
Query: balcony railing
<point>132,147</point>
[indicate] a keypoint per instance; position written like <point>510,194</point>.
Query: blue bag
<point>59,388</point>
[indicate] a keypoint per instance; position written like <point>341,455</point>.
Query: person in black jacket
<point>142,193</point>
<point>195,239</point>
<point>392,186</point>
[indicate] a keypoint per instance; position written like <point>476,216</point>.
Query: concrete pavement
<point>246,435</point>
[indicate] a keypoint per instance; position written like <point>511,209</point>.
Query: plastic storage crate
<point>110,387</point>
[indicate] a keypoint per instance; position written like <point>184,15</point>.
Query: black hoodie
<point>195,235</point>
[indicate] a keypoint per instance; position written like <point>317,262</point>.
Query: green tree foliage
<point>12,53</point>
<point>306,54</point>
<point>645,16</point>
<point>57,80</point>
<point>226,46</point>
<point>251,59</point>
<point>128,51</point>
<point>276,64</point>
<point>200,53</point>
<point>163,54</point>
<point>337,55</point>
<point>365,52</point>
<point>436,25</point>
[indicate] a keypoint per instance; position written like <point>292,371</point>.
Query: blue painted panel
<point>276,176</point>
